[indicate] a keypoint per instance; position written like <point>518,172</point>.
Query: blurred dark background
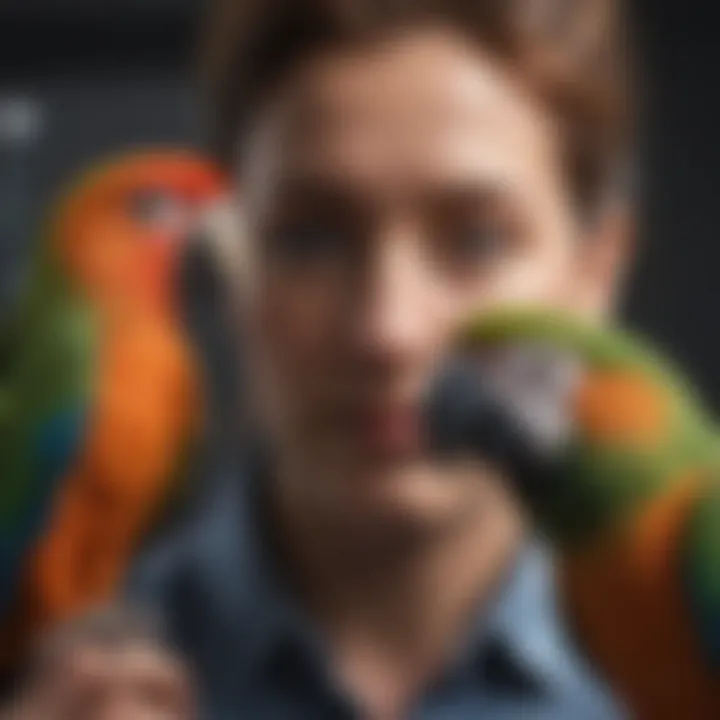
<point>80,78</point>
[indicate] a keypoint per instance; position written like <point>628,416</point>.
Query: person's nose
<point>396,316</point>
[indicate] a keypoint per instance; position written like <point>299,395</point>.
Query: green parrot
<point>47,351</point>
<point>617,461</point>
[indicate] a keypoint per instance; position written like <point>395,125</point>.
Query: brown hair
<point>572,53</point>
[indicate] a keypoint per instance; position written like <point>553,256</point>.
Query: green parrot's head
<point>607,419</point>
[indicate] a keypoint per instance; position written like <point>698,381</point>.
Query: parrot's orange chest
<point>626,604</point>
<point>143,418</point>
<point>142,409</point>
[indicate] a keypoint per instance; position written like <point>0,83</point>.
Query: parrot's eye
<point>156,207</point>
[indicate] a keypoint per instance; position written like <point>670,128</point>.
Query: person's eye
<point>478,243</point>
<point>308,243</point>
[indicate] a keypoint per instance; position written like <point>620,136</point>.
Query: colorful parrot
<point>618,463</point>
<point>119,235</point>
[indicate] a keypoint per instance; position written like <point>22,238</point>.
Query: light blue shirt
<point>255,659</point>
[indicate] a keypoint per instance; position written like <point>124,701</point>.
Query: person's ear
<point>606,253</point>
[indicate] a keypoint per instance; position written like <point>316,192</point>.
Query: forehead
<point>419,109</point>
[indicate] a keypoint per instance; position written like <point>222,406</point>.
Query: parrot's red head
<point>121,231</point>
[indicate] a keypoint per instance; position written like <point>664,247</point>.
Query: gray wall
<point>80,121</point>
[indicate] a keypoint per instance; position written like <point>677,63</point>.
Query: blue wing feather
<point>56,447</point>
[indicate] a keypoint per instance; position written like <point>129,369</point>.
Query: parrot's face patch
<point>159,212</point>
<point>537,383</point>
<point>162,217</point>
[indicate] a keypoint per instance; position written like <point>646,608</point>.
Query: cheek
<point>294,321</point>
<point>543,273</point>
<point>291,330</point>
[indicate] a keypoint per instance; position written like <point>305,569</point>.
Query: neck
<point>395,602</point>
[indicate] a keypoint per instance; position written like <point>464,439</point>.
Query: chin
<point>409,496</point>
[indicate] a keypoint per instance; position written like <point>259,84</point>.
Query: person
<point>399,165</point>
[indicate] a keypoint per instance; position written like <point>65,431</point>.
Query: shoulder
<point>197,551</point>
<point>531,623</point>
<point>204,582</point>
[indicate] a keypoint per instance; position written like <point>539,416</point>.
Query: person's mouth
<point>384,430</point>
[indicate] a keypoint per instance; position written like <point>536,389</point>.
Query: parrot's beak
<point>219,238</point>
<point>175,266</point>
<point>503,400</point>
<point>213,261</point>
<point>209,277</point>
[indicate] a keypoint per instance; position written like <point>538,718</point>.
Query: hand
<point>82,674</point>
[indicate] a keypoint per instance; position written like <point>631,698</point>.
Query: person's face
<point>389,194</point>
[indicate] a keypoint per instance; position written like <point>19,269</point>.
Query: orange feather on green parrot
<point>120,233</point>
<point>618,464</point>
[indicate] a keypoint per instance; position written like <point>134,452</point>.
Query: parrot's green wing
<point>48,356</point>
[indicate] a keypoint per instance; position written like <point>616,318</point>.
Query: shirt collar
<point>520,645</point>
<point>516,645</point>
<point>246,608</point>
<point>525,639</point>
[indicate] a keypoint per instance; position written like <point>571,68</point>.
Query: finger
<point>138,661</point>
<point>70,688</point>
<point>123,708</point>
<point>156,675</point>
